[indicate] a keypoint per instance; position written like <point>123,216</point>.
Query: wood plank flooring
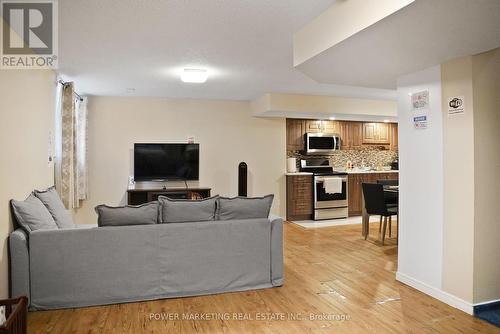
<point>335,282</point>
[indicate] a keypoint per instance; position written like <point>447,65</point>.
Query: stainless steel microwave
<point>321,143</point>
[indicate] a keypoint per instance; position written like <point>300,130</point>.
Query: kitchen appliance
<point>395,165</point>
<point>291,165</point>
<point>321,143</point>
<point>326,205</point>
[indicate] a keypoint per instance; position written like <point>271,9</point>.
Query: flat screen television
<point>166,162</point>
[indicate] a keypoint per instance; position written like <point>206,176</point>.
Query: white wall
<point>449,178</point>
<point>226,131</point>
<point>339,22</point>
<point>421,183</point>
<point>26,117</point>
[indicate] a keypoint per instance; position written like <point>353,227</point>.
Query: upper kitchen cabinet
<point>295,129</point>
<point>351,134</point>
<point>376,133</point>
<point>322,126</point>
<point>393,132</point>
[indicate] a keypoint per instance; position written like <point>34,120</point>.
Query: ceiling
<point>108,47</point>
<point>423,34</point>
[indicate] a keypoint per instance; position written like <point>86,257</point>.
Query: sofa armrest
<point>19,264</point>
<point>276,250</point>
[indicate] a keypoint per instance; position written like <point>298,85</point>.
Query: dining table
<point>365,220</point>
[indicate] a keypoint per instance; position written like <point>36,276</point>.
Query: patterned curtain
<point>71,147</point>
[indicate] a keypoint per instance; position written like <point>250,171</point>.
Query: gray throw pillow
<point>144,214</point>
<point>32,215</point>
<point>244,207</point>
<point>50,198</point>
<point>185,210</point>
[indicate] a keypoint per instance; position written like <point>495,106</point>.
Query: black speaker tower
<point>242,179</point>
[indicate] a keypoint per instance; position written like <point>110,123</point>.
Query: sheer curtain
<point>71,146</point>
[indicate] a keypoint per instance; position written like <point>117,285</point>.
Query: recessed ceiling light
<point>386,121</point>
<point>331,118</point>
<point>194,75</point>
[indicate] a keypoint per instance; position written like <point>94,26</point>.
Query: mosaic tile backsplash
<point>373,157</point>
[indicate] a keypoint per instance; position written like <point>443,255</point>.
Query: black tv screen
<point>166,162</point>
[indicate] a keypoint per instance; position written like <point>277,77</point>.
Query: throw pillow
<point>185,210</point>
<point>244,207</point>
<point>2,315</point>
<point>144,214</point>
<point>32,215</point>
<point>50,198</point>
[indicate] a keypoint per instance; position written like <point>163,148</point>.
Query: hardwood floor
<point>329,273</point>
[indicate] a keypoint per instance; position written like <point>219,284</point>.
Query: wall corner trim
<point>439,294</point>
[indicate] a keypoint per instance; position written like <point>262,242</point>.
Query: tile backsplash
<point>373,157</point>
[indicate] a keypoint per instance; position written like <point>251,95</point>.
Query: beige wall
<point>458,163</point>
<point>471,228</point>
<point>486,87</point>
<point>226,131</point>
<point>26,117</point>
<point>316,106</point>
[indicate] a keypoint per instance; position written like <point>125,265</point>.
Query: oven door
<point>321,143</point>
<point>323,200</point>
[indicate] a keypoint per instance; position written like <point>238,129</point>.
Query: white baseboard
<point>487,302</point>
<point>439,294</point>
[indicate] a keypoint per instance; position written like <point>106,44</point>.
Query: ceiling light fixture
<point>194,75</point>
<point>386,121</point>
<point>332,118</point>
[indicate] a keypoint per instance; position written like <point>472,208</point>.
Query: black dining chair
<point>375,204</point>
<point>391,199</point>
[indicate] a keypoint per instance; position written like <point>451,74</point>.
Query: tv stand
<point>140,194</point>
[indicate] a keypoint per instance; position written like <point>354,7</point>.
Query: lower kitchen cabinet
<point>355,189</point>
<point>299,197</point>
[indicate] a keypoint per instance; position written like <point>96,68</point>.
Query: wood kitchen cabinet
<point>354,194</point>
<point>393,133</point>
<point>355,190</point>
<point>353,135</point>
<point>345,138</point>
<point>376,133</point>
<point>299,197</point>
<point>295,130</point>
<point>327,126</point>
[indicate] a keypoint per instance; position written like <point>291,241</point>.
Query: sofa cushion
<point>50,198</point>
<point>144,214</point>
<point>185,210</point>
<point>244,207</point>
<point>32,215</point>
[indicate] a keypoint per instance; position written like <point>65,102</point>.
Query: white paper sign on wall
<point>456,105</point>
<point>420,122</point>
<point>420,101</point>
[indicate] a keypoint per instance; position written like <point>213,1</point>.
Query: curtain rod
<point>75,93</point>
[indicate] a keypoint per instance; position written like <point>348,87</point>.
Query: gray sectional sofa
<point>104,265</point>
<point>89,265</point>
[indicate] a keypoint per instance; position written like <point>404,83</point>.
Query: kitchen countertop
<point>358,171</point>
<point>355,171</point>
